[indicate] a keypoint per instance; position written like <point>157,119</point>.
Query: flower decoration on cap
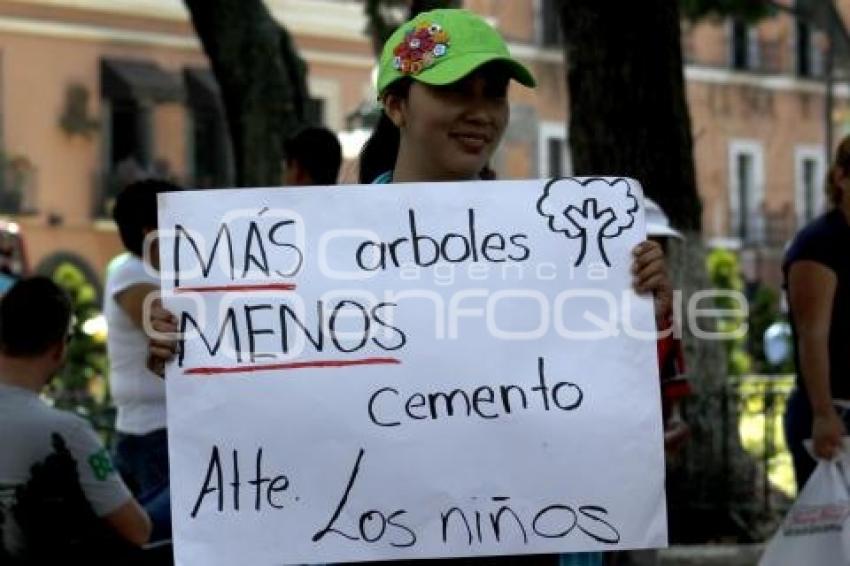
<point>420,48</point>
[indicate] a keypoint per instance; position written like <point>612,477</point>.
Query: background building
<point>91,90</point>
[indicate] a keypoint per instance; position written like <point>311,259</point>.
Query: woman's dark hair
<point>381,149</point>
<point>840,168</point>
<point>488,173</point>
<point>135,211</point>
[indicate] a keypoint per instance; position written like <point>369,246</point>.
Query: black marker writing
<point>266,487</point>
<point>424,250</point>
<point>372,524</point>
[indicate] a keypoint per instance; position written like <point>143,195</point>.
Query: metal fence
<point>736,473</point>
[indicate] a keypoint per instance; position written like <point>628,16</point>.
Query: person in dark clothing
<point>817,280</point>
<point>313,157</point>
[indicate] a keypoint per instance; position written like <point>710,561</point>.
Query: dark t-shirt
<point>827,241</point>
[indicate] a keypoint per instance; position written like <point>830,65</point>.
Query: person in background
<point>674,382</point>
<point>60,496</point>
<point>817,283</point>
<point>671,360</point>
<point>313,157</point>
<point>141,450</point>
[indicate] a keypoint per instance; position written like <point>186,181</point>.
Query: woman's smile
<point>471,141</point>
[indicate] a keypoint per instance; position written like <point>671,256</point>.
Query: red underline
<point>226,288</point>
<point>291,365</point>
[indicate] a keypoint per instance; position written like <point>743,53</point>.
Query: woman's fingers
<point>825,449</point>
<point>164,326</point>
<point>648,263</point>
<point>156,365</point>
<point>163,330</point>
<point>169,346</point>
<point>655,283</point>
<point>827,431</point>
<point>650,276</point>
<point>158,312</point>
<point>159,353</point>
<point>161,320</point>
<point>646,252</point>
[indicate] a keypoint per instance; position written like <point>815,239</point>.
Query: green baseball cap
<point>443,46</point>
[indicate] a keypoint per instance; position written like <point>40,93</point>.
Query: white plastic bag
<point>816,531</point>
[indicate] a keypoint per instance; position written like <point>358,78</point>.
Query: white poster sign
<point>409,371</point>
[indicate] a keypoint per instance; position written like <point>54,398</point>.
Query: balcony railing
<point>17,185</point>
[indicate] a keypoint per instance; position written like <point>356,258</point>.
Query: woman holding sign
<point>443,81</point>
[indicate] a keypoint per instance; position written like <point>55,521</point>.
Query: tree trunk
<point>629,117</point>
<point>262,81</point>
<point>628,112</point>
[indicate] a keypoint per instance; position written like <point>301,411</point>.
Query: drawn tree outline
<point>572,208</point>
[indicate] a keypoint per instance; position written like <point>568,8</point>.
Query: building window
<point>746,191</point>
<point>804,48</point>
<point>130,90</point>
<point>209,149</point>
<point>211,156</point>
<point>745,181</point>
<point>809,185</point>
<point>808,57</point>
<point>127,130</point>
<point>325,103</point>
<point>549,24</point>
<point>18,177</point>
<point>743,46</point>
<point>129,133</point>
<point>554,152</point>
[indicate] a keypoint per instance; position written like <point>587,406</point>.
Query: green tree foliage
<point>764,311</point>
<point>725,274</point>
<point>81,386</point>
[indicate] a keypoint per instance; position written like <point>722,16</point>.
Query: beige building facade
<point>92,88</point>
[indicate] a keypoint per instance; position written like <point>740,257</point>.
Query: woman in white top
<point>138,394</point>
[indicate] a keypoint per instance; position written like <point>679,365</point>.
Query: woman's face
<point>450,132</point>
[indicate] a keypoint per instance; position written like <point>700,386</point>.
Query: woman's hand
<point>650,276</point>
<point>827,430</point>
<point>676,430</point>
<point>676,435</point>
<point>161,348</point>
